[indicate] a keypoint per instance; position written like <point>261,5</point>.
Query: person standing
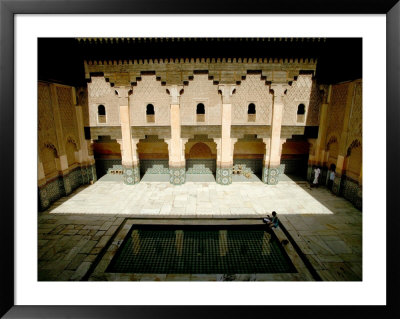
<point>317,171</point>
<point>331,179</point>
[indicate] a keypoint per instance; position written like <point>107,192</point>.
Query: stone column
<point>84,161</point>
<point>275,148</point>
<point>267,142</point>
<point>337,182</point>
<point>217,141</point>
<point>320,144</point>
<point>177,171</point>
<point>131,168</point>
<point>224,168</point>
<point>61,161</point>
<point>92,168</point>
<point>43,196</point>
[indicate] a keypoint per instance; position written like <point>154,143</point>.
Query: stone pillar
<point>83,155</point>
<point>275,148</point>
<point>340,163</point>
<point>311,158</point>
<point>267,142</point>
<point>319,157</point>
<point>224,168</point>
<point>217,141</point>
<point>177,171</point>
<point>92,168</point>
<point>61,161</point>
<point>43,196</point>
<point>131,168</point>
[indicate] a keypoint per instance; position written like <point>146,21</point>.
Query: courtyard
<point>76,231</point>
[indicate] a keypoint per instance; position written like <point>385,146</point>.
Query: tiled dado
<point>64,185</point>
<point>50,192</point>
<point>224,176</point>
<point>200,166</point>
<point>273,175</point>
<point>177,175</point>
<point>352,191</point>
<point>265,174</point>
<point>154,167</point>
<point>131,175</point>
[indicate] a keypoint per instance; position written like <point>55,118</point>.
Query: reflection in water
<point>200,252</point>
<point>135,242</point>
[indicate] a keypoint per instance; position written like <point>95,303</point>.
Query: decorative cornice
<point>181,71</point>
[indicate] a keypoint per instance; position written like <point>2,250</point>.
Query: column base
<point>91,173</point>
<point>67,184</point>
<point>336,187</point>
<point>324,175</point>
<point>50,192</point>
<point>224,175</point>
<point>265,174</point>
<point>352,191</point>
<point>273,176</point>
<point>131,175</point>
<point>84,174</point>
<point>309,173</point>
<point>177,175</point>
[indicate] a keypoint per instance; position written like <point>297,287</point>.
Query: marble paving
<point>76,229</point>
<point>197,200</point>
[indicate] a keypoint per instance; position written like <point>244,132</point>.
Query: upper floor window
<point>251,113</point>
<point>301,111</point>
<point>101,114</point>
<point>200,112</point>
<point>150,114</point>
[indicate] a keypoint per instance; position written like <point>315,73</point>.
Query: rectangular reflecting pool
<point>168,249</point>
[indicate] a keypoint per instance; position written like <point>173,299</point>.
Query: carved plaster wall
<point>46,127</point>
<point>201,90</point>
<point>336,110</point>
<point>100,92</point>
<point>302,91</point>
<point>252,90</point>
<point>68,114</point>
<point>149,91</point>
<point>355,122</point>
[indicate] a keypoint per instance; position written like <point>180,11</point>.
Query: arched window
<point>200,112</point>
<point>301,111</point>
<point>200,109</point>
<point>150,114</point>
<point>251,109</point>
<point>251,113</point>
<point>101,113</point>
<point>150,109</point>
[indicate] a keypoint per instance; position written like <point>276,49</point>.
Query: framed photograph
<point>78,260</point>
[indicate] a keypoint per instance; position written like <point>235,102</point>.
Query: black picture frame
<point>8,10</point>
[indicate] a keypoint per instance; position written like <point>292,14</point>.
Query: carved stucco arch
<point>354,144</point>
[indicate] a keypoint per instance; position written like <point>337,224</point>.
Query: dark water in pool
<point>200,250</point>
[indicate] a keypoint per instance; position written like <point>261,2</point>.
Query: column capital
<point>326,91</point>
<point>227,91</point>
<point>175,92</point>
<point>123,93</point>
<point>279,90</point>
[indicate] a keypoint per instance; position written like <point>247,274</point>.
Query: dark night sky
<point>61,59</point>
